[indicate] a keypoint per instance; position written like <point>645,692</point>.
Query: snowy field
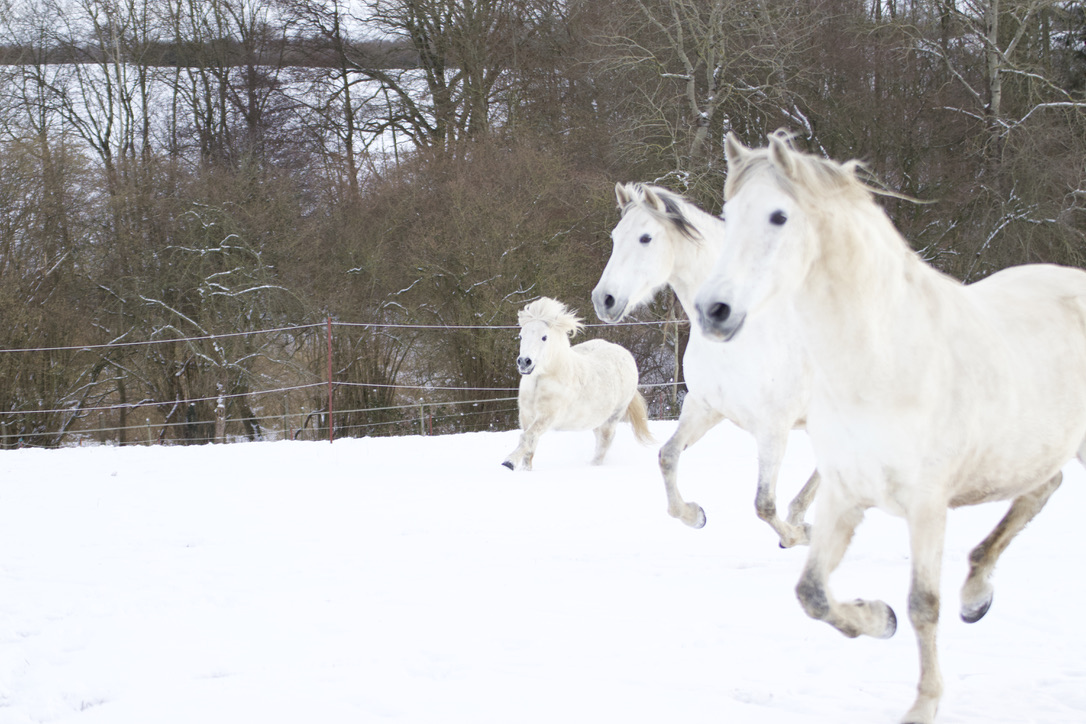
<point>416,580</point>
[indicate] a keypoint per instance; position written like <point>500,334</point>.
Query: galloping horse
<point>927,394</point>
<point>761,383</point>
<point>590,386</point>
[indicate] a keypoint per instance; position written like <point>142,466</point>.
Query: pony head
<point>777,198</point>
<point>545,328</point>
<point>643,248</point>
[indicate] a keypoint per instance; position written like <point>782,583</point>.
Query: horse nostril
<point>719,312</point>
<point>608,301</point>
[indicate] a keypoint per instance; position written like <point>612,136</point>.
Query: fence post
<point>286,420</point>
<point>220,416</point>
<point>331,425</point>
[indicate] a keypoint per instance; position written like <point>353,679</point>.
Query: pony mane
<point>637,194</point>
<point>553,313</point>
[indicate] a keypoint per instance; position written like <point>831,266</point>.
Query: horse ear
<point>575,326</point>
<point>734,151</point>
<point>780,155</point>
<point>653,200</point>
<point>622,195</point>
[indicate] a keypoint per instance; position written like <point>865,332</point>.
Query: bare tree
<point>691,70</point>
<point>463,50</point>
<point>337,94</point>
<point>226,84</point>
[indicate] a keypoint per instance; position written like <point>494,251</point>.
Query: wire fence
<point>310,381</point>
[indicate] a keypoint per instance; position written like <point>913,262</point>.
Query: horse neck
<point>862,305</point>
<point>695,259</point>
<point>559,356</point>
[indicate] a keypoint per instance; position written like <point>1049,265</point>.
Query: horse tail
<point>638,415</point>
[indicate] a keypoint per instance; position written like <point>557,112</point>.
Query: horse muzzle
<point>718,321</point>
<point>608,308</point>
<point>525,365</point>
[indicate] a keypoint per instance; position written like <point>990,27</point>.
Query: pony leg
<point>977,590</point>
<point>837,521</point>
<point>927,533</point>
<point>770,455</point>
<point>605,434</point>
<point>525,450</point>
<point>695,419</point>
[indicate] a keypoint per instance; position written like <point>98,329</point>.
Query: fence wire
<point>303,408</point>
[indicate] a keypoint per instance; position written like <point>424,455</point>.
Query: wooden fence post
<point>220,416</point>
<point>331,424</point>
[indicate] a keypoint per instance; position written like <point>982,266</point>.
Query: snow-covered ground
<point>416,580</point>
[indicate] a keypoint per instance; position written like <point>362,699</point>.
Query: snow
<point>415,579</point>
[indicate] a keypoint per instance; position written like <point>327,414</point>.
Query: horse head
<point>643,248</point>
<point>770,247</point>
<point>545,328</point>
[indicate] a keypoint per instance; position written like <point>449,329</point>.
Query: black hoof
<point>974,616</point>
<point>508,464</point>
<point>891,623</point>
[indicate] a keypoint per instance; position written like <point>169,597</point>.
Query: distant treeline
<point>298,52</point>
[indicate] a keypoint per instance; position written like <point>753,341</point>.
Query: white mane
<point>553,313</point>
<point>819,183</point>
<point>664,204</point>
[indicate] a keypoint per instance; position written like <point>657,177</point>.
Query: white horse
<point>590,386</point>
<point>761,383</point>
<point>927,394</point>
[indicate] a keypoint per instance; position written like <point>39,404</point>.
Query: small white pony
<point>591,386</point>
<point>761,383</point>
<point>927,394</point>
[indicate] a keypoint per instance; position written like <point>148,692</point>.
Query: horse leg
<point>770,455</point>
<point>525,449</point>
<point>605,434</point>
<point>837,521</point>
<point>799,505</point>
<point>695,419</point>
<point>977,590</point>
<point>927,533</point>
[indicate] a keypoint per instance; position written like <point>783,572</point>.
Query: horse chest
<point>543,393</point>
<point>755,380</point>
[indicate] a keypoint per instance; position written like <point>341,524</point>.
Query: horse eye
<point>777,218</point>
<point>544,338</point>
<point>645,239</point>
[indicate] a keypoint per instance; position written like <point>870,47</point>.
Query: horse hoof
<point>891,623</point>
<point>508,464</point>
<point>972,615</point>
<point>699,519</point>
<point>800,539</point>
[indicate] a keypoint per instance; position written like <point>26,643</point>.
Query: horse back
<point>1028,380</point>
<point>605,356</point>
<point>984,399</point>
<point>1038,310</point>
